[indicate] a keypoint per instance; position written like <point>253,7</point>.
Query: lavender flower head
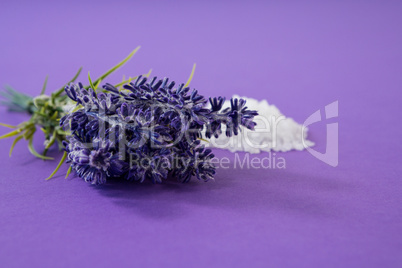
<point>149,130</point>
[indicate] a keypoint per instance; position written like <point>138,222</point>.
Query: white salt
<point>273,131</point>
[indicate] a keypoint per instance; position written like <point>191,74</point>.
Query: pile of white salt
<point>273,132</point>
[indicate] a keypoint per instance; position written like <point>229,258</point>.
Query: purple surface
<point>300,57</point>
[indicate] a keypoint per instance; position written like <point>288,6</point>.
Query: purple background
<point>299,56</point>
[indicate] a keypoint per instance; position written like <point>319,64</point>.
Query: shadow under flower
<point>250,191</point>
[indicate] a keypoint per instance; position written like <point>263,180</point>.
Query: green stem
<point>51,142</point>
<point>102,77</point>
<point>131,79</point>
<point>44,85</point>
<point>191,76</point>
<point>14,143</point>
<point>90,82</point>
<point>10,134</point>
<point>7,125</point>
<point>62,160</point>
<point>61,90</point>
<point>35,153</point>
<point>68,172</point>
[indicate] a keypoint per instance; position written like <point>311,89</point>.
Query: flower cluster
<point>147,130</point>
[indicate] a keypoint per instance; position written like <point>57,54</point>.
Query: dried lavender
<point>149,130</point>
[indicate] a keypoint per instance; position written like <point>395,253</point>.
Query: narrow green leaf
<point>131,79</point>
<point>16,101</point>
<point>35,153</point>
<point>125,82</point>
<point>54,116</point>
<point>60,144</point>
<point>61,132</point>
<point>51,141</point>
<point>75,76</point>
<point>79,106</point>
<point>10,134</point>
<point>13,94</point>
<point>97,84</point>
<point>149,73</point>
<point>14,143</point>
<point>29,132</point>
<point>11,90</point>
<point>44,85</point>
<point>7,125</point>
<point>41,101</point>
<point>118,65</point>
<point>201,139</point>
<point>58,92</point>
<point>62,160</point>
<point>68,172</point>
<point>191,76</point>
<point>120,88</point>
<point>90,82</point>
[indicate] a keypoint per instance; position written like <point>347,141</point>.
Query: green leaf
<point>40,101</point>
<point>51,141</point>
<point>201,139</point>
<point>11,91</point>
<point>131,79</point>
<point>90,82</point>
<point>10,134</point>
<point>118,65</point>
<point>16,101</point>
<point>29,132</point>
<point>97,84</point>
<point>14,143</point>
<point>58,92</point>
<point>148,74</point>
<point>191,76</point>
<point>60,144</point>
<point>125,82</point>
<point>79,106</point>
<point>75,76</point>
<point>7,125</point>
<point>120,88</point>
<point>62,160</point>
<point>54,116</point>
<point>68,172</point>
<point>35,153</point>
<point>44,85</point>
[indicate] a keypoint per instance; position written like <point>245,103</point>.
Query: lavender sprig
<point>149,130</point>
